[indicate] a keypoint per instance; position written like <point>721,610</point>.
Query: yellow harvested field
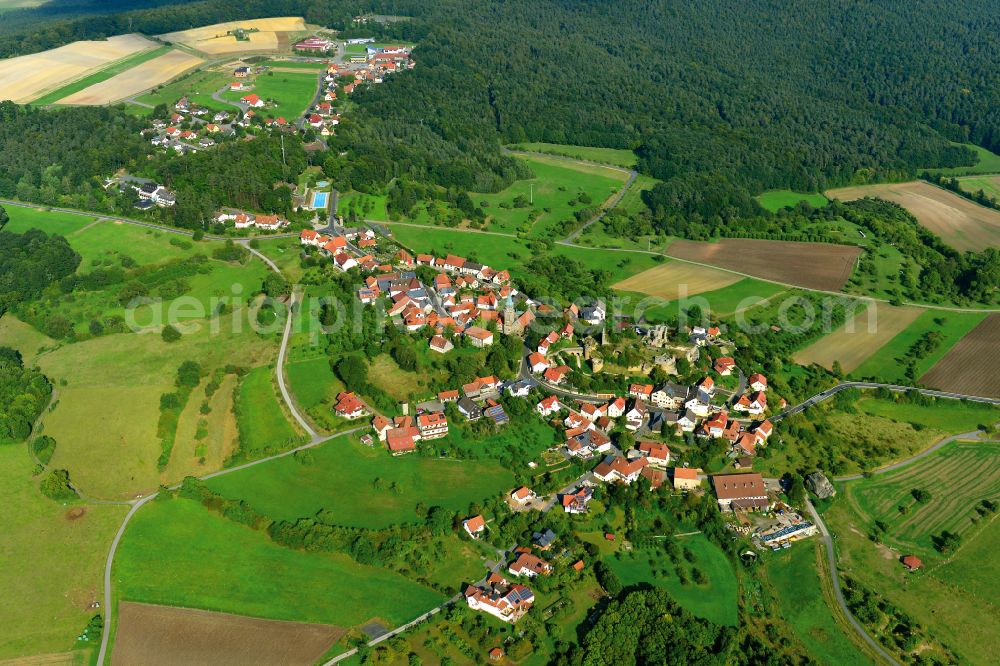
<point>674,280</point>
<point>133,81</point>
<point>858,338</point>
<point>212,39</point>
<point>960,223</point>
<point>25,78</point>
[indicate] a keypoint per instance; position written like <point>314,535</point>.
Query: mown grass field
<point>743,295</point>
<point>26,339</point>
<point>102,75</point>
<point>109,392</point>
<point>198,87</point>
<point>557,182</point>
<point>206,561</point>
<point>341,478</point>
<point>775,200</point>
<point>291,92</point>
<point>53,560</point>
<point>262,422</point>
<point>990,185</point>
<point>715,600</point>
<point>204,441</point>
<point>614,156</point>
<point>951,416</point>
<point>858,338</point>
<point>673,279</point>
<point>952,326</point>
<point>500,252</point>
<point>295,64</point>
<point>798,589</point>
<point>51,222</point>
<point>952,598</point>
<point>632,202</point>
<point>957,478</point>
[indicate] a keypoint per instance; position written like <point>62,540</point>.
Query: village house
<point>523,496</point>
<point>441,344</point>
<point>753,404</point>
<point>537,363</point>
<point>475,526</point>
<point>529,565</point>
<point>349,406</point>
<point>757,382</point>
<point>706,389</point>
<point>578,500</point>
<point>548,406</point>
<point>252,100</point>
<point>669,395</point>
<point>615,468</point>
<point>643,391</point>
<point>686,479</point>
<point>656,453</point>
<point>479,337</point>
<point>616,408</point>
<point>724,365</point>
<point>500,599</point>
<point>469,409</point>
<point>636,415</point>
<point>433,425</point>
<point>740,492</point>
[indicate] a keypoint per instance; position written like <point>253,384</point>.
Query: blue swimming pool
<point>320,199</point>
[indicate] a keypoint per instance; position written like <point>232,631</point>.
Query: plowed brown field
<point>167,636</point>
<point>812,265</point>
<point>972,366</point>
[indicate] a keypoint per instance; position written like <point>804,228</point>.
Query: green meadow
<point>615,156</point>
<point>500,252</point>
<point>775,200</point>
<point>798,589</point>
<point>715,600</point>
<point>362,486</point>
<point>554,193</point>
<point>198,87</point>
<point>632,202</point>
<point>952,326</point>
<point>54,559</point>
<point>264,427</point>
<point>292,93</point>
<point>952,416</point>
<point>364,206</point>
<point>206,561</point>
<point>51,222</point>
<point>103,75</point>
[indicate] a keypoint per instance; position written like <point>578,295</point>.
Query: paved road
<point>217,96</point>
<point>138,223</point>
<point>831,561</point>
<point>279,370</point>
<point>896,388</point>
<point>975,434</point>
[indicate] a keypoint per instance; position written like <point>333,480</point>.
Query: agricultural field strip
<point>963,367</point>
<point>135,80</point>
<point>182,232</point>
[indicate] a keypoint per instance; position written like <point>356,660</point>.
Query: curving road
<point>831,561</point>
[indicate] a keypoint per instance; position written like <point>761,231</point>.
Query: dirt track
<point>813,265</point>
<point>150,635</point>
<point>972,366</point>
<point>959,222</point>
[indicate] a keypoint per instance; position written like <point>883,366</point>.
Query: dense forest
<point>712,108</point>
<point>31,262</point>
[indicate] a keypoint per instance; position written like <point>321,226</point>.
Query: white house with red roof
<point>252,100</point>
<point>724,365</point>
<point>757,382</point>
<point>479,337</point>
<point>500,599</point>
<point>349,406</point>
<point>537,363</point>
<point>754,404</point>
<point>616,468</point>
<point>523,495</point>
<point>474,526</point>
<point>547,342</point>
<point>643,391</point>
<point>656,453</point>
<point>548,406</point>
<point>529,566</point>
<point>616,408</point>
